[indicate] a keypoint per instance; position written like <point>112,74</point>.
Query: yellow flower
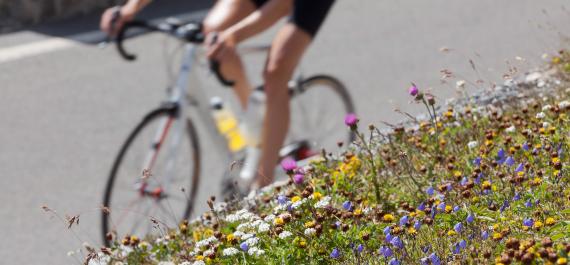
<point>448,114</point>
<point>457,173</point>
<point>512,150</point>
<point>310,224</point>
<point>475,199</point>
<point>488,143</point>
<point>303,243</point>
<point>496,227</point>
<point>556,60</point>
<point>295,199</point>
<point>388,218</point>
<point>199,257</point>
<point>494,187</point>
<point>520,173</point>
<point>317,195</point>
<point>486,184</point>
<point>278,221</point>
<point>550,221</point>
<point>412,231</point>
<point>448,208</point>
<point>451,233</point>
<point>497,236</point>
<point>208,233</point>
<point>230,237</point>
<point>144,245</point>
<point>561,261</point>
<point>555,160</point>
<point>536,181</point>
<point>538,224</point>
<point>358,212</point>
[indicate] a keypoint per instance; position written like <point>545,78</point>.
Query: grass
<point>469,185</point>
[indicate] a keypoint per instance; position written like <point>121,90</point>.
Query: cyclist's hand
<point>220,45</point>
<point>114,18</point>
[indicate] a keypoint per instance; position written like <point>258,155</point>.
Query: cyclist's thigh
<point>286,51</point>
<point>225,13</point>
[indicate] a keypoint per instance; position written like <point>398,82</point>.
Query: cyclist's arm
<point>261,19</point>
<point>127,13</point>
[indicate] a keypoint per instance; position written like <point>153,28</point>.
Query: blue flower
<point>505,205</point>
<point>528,204</point>
<point>424,261</point>
<point>456,249</point>
<point>501,154</point>
<point>477,161</point>
<point>347,205</point>
<point>434,259</point>
<point>441,206</point>
<point>244,246</point>
<point>528,222</point>
<point>422,206</point>
<point>510,161</point>
<point>430,191</point>
<point>281,199</point>
<point>335,254</point>
<point>385,251</point>
<point>458,227</point>
<point>394,261</point>
<point>404,220</point>
<point>462,244</point>
<point>519,168</point>
<point>417,225</point>
<point>485,235</point>
<point>517,197</point>
<point>387,230</point>
<point>470,218</point>
<point>463,181</point>
<point>525,146</point>
<point>389,237</point>
<point>456,208</point>
<point>397,242</point>
<point>360,248</point>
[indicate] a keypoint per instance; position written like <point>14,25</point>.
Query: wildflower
<point>388,218</point>
<point>477,161</point>
<point>285,234</point>
<point>323,202</point>
<point>441,206</point>
<point>528,204</point>
<point>254,251</point>
<point>470,218</point>
<point>456,249</point>
<point>386,251</point>
<point>298,178</point>
<point>317,195</point>
<point>278,221</point>
<point>561,261</point>
<point>389,237</point>
<point>244,246</point>
<point>397,242</point>
<point>517,197</point>
<point>310,231</point>
<point>540,115</point>
<point>448,208</point>
<point>281,199</point>
<point>263,227</point>
<point>351,121</point>
<point>451,233</point>
<point>417,224</point>
<point>501,154</point>
<point>394,261</point>
<point>456,208</point>
<point>525,146</point>
<point>387,230</point>
<point>347,205</point>
<point>413,91</point>
<point>430,191</point>
<point>510,161</point>
<point>404,220</point>
<point>229,251</point>
<point>564,104</point>
<point>497,236</point>
<point>528,222</point>
<point>519,168</point>
<point>434,259</point>
<point>550,221</point>
<point>458,227</point>
<point>295,199</point>
<point>288,164</point>
<point>486,184</point>
<point>472,144</point>
<point>335,254</point>
<point>538,225</point>
<point>199,262</point>
<point>360,248</point>
<point>463,244</point>
<point>484,235</point>
<point>511,129</point>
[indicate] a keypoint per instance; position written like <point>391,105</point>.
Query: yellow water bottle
<point>227,124</point>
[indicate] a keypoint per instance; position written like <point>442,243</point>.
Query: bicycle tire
<point>343,98</point>
<point>194,174</point>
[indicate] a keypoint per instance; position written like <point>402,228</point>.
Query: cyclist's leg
<point>286,51</point>
<point>224,14</point>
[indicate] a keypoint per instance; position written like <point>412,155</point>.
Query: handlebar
<point>191,32</point>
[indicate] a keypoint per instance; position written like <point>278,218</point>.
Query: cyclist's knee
<point>277,72</point>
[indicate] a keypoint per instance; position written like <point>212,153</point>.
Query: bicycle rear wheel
<point>318,107</point>
<point>155,176</point>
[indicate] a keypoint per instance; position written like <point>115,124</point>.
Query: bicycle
<point>164,148</point>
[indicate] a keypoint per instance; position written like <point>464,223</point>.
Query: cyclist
<point>234,21</point>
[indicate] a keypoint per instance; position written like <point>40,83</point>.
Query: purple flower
<point>456,249</point>
<point>360,248</point>
<point>244,246</point>
<point>424,261</point>
<point>528,222</point>
<point>501,154</point>
<point>456,208</point>
<point>298,178</point>
<point>517,197</point>
<point>528,204</point>
<point>510,161</point>
<point>430,191</point>
<point>505,205</point>
<point>335,254</point>
<point>470,218</point>
<point>525,146</point>
<point>389,237</point>
<point>404,220</point>
<point>394,261</point>
<point>288,164</point>
<point>422,206</point>
<point>441,206</point>
<point>434,259</point>
<point>397,242</point>
<point>458,227</point>
<point>519,168</point>
<point>351,120</point>
<point>477,161</point>
<point>413,91</point>
<point>464,181</point>
<point>347,205</point>
<point>463,244</point>
<point>385,251</point>
<point>387,230</point>
<point>485,235</point>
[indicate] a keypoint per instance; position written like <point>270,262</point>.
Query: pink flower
<point>288,164</point>
<point>413,91</point>
<point>351,120</point>
<point>298,178</point>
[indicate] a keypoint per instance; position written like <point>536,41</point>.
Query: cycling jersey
<point>308,15</point>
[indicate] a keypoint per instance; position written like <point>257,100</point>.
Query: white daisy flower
<point>246,236</point>
<point>254,251</point>
<point>285,234</point>
<point>297,204</point>
<point>269,218</point>
<point>511,129</point>
<point>545,124</point>
<point>208,252</point>
<point>230,251</point>
<point>324,202</point>
<point>472,144</point>
<point>263,227</point>
<point>199,262</point>
<point>564,104</point>
<point>546,107</point>
<point>252,241</point>
<point>238,234</point>
<point>310,231</point>
<point>540,115</point>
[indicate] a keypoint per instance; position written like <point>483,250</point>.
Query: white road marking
<point>14,53</point>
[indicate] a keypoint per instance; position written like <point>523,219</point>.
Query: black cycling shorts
<point>308,15</point>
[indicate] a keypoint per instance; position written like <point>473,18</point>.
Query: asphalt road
<point>65,110</point>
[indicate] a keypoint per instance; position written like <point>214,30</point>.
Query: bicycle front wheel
<point>318,108</point>
<point>154,179</point>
